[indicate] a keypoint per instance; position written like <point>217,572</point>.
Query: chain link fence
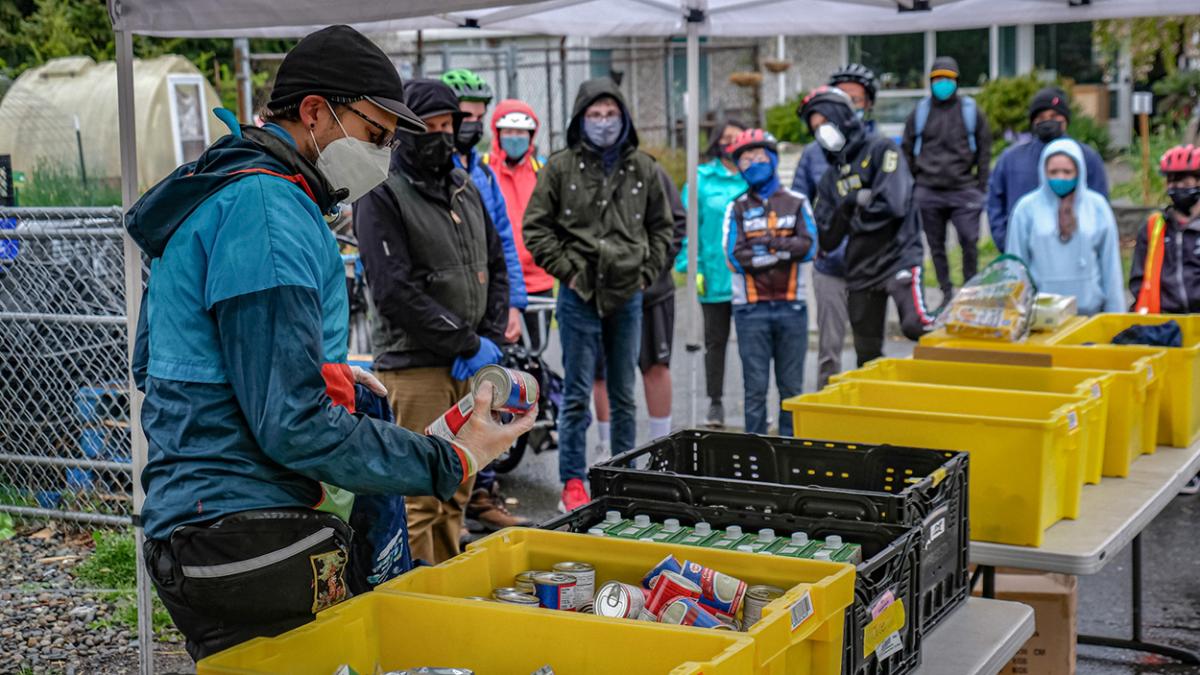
<point>64,389</point>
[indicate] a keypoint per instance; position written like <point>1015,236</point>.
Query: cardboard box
<point>1053,597</point>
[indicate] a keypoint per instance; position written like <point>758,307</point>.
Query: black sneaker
<point>716,415</point>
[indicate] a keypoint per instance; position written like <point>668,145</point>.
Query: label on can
<point>669,586</point>
<point>585,581</point>
<point>719,592</point>
<point>667,564</point>
<point>687,612</point>
<point>555,591</point>
<point>516,391</point>
<point>758,597</point>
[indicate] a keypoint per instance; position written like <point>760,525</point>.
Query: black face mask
<point>433,152</point>
<point>1184,199</point>
<point>468,136</point>
<point>1049,130</point>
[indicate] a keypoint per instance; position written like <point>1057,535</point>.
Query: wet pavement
<point>1171,550</point>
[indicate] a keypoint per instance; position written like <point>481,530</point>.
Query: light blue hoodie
<point>1088,266</point>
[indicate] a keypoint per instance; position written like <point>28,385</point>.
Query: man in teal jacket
<point>720,183</point>
<point>241,352</point>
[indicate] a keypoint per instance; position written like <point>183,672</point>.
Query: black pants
<point>960,208</point>
<point>251,574</point>
<point>717,318</point>
<point>868,312</point>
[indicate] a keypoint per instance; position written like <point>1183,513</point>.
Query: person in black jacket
<point>866,195</point>
<point>438,288</point>
<point>948,145</point>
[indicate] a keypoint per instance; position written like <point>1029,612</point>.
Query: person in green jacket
<point>719,183</point>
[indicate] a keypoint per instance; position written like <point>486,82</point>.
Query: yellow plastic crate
<point>1026,448</point>
<point>815,646</point>
<point>396,631</point>
<point>1094,383</point>
<point>937,337</point>
<point>1179,411</point>
<point>1138,377</point>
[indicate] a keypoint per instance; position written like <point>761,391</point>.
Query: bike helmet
<point>1180,159</point>
<point>467,85</point>
<point>823,95</point>
<point>517,120</point>
<point>752,138</point>
<point>858,74</point>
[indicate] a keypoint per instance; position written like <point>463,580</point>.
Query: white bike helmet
<point>517,120</point>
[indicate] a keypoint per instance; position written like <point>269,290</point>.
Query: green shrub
<point>1179,93</point>
<point>49,185</point>
<point>1132,156</point>
<point>1005,102</point>
<point>1088,131</point>
<point>785,125</point>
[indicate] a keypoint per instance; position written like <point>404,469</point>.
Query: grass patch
<point>60,186</point>
<point>114,565</point>
<point>7,529</point>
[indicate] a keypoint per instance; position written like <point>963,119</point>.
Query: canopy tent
<point>293,18</point>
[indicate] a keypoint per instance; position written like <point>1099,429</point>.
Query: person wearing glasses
<point>598,221</point>
<point>437,284</point>
<point>250,407</point>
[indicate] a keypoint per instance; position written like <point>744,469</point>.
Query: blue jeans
<point>584,333</point>
<point>771,330</point>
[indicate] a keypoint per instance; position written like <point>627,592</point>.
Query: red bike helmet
<point>1180,159</point>
<point>752,138</point>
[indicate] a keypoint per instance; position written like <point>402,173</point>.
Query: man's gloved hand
<point>487,354</point>
<point>483,438</point>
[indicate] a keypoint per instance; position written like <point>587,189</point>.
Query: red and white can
<point>515,391</point>
<point>688,612</point>
<point>667,587</point>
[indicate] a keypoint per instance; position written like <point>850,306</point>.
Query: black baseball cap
<point>342,65</point>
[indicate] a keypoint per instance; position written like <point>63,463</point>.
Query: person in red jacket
<point>515,162</point>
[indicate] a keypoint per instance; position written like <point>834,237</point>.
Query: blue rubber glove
<point>489,353</point>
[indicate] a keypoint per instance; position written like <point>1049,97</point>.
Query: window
<point>188,119</point>
<point>1066,49</point>
<point>970,49</point>
<point>601,62</point>
<point>679,81</point>
<point>898,60</point>
<point>1008,51</point>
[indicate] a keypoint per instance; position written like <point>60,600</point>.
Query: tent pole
<point>241,54</point>
<point>133,303</point>
<point>694,20</point>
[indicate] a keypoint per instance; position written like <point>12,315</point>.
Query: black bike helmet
<point>823,96</point>
<point>858,74</point>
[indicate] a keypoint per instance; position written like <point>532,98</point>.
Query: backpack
<point>970,113</point>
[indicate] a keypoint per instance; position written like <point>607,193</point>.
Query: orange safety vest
<point>1150,296</point>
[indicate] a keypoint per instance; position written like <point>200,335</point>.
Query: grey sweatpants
<point>832,319</point>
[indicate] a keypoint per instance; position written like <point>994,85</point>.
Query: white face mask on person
<point>603,133</point>
<point>352,164</point>
<point>830,137</point>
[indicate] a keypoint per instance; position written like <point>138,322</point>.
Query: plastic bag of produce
<point>996,304</point>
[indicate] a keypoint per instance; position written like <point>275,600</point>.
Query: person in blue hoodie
<point>1067,234</point>
<point>240,350</point>
<point>474,95</point>
<point>1016,172</point>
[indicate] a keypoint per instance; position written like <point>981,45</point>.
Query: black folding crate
<point>817,479</point>
<point>891,561</point>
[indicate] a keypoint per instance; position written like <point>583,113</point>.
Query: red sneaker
<point>574,495</point>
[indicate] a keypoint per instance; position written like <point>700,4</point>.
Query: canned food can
<point>585,581</point>
<point>618,600</point>
<point>452,421</point>
<point>524,580</point>
<point>512,596</point>
<point>516,390</point>
<point>555,591</point>
<point>667,564</point>
<point>667,587</point>
<point>688,612</point>
<point>758,597</point>
<point>719,592</point>
<point>478,598</point>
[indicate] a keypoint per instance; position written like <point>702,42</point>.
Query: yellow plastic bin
<point>937,337</point>
<point>1026,468</point>
<point>814,646</point>
<point>1138,377</point>
<point>395,631</point>
<point>1093,383</point>
<point>1179,411</point>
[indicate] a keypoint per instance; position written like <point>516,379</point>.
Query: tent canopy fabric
<point>276,18</point>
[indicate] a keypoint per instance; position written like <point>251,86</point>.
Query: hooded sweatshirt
<point>241,346</point>
<point>516,183</point>
<point>1088,265</point>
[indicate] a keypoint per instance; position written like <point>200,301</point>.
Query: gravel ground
<point>50,625</point>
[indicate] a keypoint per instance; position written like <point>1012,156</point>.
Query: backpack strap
<point>970,113</point>
<point>923,107</point>
<point>1149,300</point>
<point>485,158</point>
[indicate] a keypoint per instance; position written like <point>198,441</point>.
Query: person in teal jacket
<point>1067,234</point>
<point>720,183</point>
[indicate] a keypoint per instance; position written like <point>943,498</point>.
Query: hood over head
<point>503,108</point>
<point>588,93</point>
<point>1062,146</point>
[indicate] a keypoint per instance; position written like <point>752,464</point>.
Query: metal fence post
<point>514,58</point>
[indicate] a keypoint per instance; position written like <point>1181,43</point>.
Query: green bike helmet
<point>467,85</point>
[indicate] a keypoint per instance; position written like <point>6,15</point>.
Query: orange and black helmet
<point>752,138</point>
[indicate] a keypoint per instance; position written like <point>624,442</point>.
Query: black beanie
<point>1050,98</point>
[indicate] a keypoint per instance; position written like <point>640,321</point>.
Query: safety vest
<point>1149,300</point>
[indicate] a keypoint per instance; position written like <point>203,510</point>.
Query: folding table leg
<point>1137,644</point>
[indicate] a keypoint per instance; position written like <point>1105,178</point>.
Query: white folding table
<point>977,638</point>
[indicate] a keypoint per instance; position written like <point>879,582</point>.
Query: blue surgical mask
<point>1063,186</point>
<point>758,173</point>
<point>515,146</point>
<point>860,113</point>
<point>603,133</point>
<point>943,88</point>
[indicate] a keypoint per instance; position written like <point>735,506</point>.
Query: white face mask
<point>357,166</point>
<point>830,137</point>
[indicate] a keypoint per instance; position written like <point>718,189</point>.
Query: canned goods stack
<point>569,587</point>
